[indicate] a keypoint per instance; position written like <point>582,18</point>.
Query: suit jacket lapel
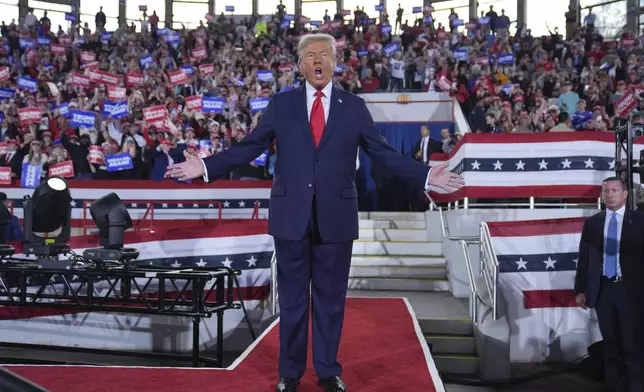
<point>336,108</point>
<point>299,101</point>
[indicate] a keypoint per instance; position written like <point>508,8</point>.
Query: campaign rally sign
<point>27,44</point>
<point>386,29</point>
<point>57,49</point>
<point>115,108</point>
<point>460,55</point>
<point>258,104</point>
<point>580,119</point>
<point>261,160</point>
<point>265,75</point>
<point>146,61</point>
<point>199,53</point>
<point>62,169</point>
<point>106,37</point>
<point>178,77</point>
<point>7,93</point>
<point>212,105</point>
<point>5,176</point>
<point>29,116</point>
<point>187,69</point>
<point>206,69</point>
<point>63,110</point>
<point>134,79</point>
<point>96,155</point>
<point>81,80</point>
<point>27,83</point>
<point>506,59</point>
<point>193,103</point>
<point>118,162</point>
<point>391,49</point>
<point>230,8</point>
<point>88,57</point>
<point>43,41</point>
<point>82,118</point>
<point>30,175</point>
<point>4,74</point>
<point>116,93</point>
<point>626,104</point>
<point>155,115</point>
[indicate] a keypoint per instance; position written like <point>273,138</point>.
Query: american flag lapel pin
<point>339,100</point>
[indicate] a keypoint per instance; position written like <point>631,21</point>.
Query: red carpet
<point>380,352</point>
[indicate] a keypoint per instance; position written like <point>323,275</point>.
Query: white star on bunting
<point>211,205</point>
<point>575,260</point>
<point>498,165</point>
<point>134,205</point>
<point>176,264</point>
<point>566,164</point>
<point>520,165</point>
<point>201,263</point>
<point>252,262</point>
<point>242,204</point>
<point>164,205</point>
<point>550,263</point>
<point>521,264</point>
<point>543,165</point>
<point>195,205</point>
<point>72,203</point>
<point>226,204</point>
<point>179,205</point>
<point>611,165</point>
<point>476,165</point>
<point>227,263</point>
<point>589,163</point>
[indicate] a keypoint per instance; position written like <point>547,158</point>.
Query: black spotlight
<point>5,219</point>
<point>112,220</point>
<point>48,211</point>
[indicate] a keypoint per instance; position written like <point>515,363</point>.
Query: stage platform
<point>383,350</point>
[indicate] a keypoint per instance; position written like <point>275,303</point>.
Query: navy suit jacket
<point>328,171</point>
<point>590,266</point>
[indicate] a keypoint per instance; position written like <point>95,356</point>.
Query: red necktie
<point>317,118</point>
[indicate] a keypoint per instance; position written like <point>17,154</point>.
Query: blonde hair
<point>308,39</point>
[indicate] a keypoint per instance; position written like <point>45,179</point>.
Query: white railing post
<point>532,202</point>
<point>466,203</point>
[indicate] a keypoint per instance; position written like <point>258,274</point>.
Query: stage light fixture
<point>112,220</point>
<point>48,210</point>
<point>5,219</point>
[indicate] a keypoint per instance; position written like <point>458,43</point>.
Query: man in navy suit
<point>314,203</point>
<point>609,269</point>
<point>14,230</point>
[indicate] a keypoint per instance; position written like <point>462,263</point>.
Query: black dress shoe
<point>286,385</point>
<point>332,384</point>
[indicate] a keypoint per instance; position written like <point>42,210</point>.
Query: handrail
<point>475,296</point>
<point>444,227</point>
<point>273,293</point>
<point>488,256</point>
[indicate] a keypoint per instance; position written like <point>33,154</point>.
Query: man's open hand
<point>440,177</point>
<point>192,168</point>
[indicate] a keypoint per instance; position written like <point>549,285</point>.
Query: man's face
<point>424,131</point>
<point>444,133</point>
<point>318,64</point>
<point>614,195</point>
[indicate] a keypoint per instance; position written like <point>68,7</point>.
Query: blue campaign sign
<point>187,69</point>
<point>230,8</point>
<point>106,37</point>
<point>28,83</point>
<point>30,177</point>
<point>391,49</point>
<point>116,109</point>
<point>386,29</point>
<point>118,162</point>
<point>265,75</point>
<point>44,41</point>
<point>258,104</point>
<point>212,105</point>
<point>261,160</point>
<point>7,93</point>
<point>506,59</point>
<point>82,118</point>
<point>146,61</point>
<point>64,110</point>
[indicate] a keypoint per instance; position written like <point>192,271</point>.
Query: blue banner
<point>146,61</point>
<point>579,120</point>
<point>417,10</point>
<point>70,17</point>
<point>506,59</point>
<point>380,7</point>
<point>385,29</point>
<point>265,75</point>
<point>261,160</point>
<point>118,162</point>
<point>27,44</point>
<point>363,53</point>
<point>106,37</point>
<point>27,83</point>
<point>212,105</point>
<point>116,109</point>
<point>44,41</point>
<point>258,104</point>
<point>315,23</point>
<point>82,118</point>
<point>187,69</point>
<point>484,20</point>
<point>391,49</point>
<point>63,110</point>
<point>7,93</point>
<point>230,8</point>
<point>460,55</point>
<point>30,177</point>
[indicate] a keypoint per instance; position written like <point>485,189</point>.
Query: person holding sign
<point>314,202</point>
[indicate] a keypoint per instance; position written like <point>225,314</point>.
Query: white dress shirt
<point>620,222</point>
<point>423,147</point>
<point>326,103</point>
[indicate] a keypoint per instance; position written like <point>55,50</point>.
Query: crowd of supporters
<point>213,82</point>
